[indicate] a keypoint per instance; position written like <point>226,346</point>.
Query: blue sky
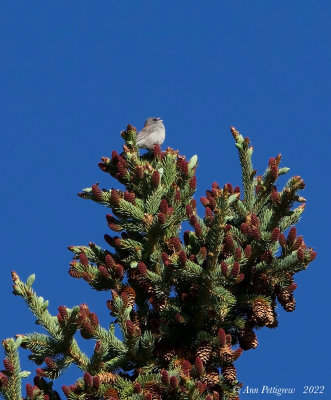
<point>74,74</point>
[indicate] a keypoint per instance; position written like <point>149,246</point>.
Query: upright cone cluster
<point>187,305</point>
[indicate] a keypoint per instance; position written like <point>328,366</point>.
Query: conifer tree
<point>187,305</point>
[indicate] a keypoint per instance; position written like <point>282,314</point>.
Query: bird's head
<point>153,120</point>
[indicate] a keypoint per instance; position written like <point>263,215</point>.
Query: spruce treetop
<point>187,305</point>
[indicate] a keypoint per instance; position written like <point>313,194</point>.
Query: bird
<point>152,133</point>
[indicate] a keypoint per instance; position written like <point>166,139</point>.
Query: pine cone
<point>261,284</point>
<point>262,312</point>
<point>289,306</point>
<point>211,378</point>
<point>229,372</point>
<point>248,339</point>
<point>204,352</point>
<point>153,389</point>
<point>129,295</point>
<point>226,354</point>
<point>272,322</point>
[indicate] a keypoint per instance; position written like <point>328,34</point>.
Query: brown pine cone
<point>211,378</point>
<point>262,312</point>
<point>226,354</point>
<point>289,306</point>
<point>229,372</point>
<point>248,339</point>
<point>129,296</point>
<point>204,352</point>
<point>272,321</point>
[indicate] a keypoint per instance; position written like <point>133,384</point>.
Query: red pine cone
<point>182,257</point>
<point>137,388</point>
<point>301,254</point>
<point>224,268</point>
<point>119,271</point>
<point>248,251</point>
<point>275,234</point>
<point>245,228</point>
<point>165,379</point>
<point>156,150</point>
<point>177,196</point>
<point>114,197</point>
<point>199,366</point>
<point>174,243</point>
<point>164,206</point>
<point>114,156</point>
<point>94,319</point>
<point>51,364</point>
<point>202,387</point>
<point>83,259</point>
<point>198,230</point>
<point>297,244</point>
<point>254,219</point>
<point>97,192</point>
<point>193,220</point>
<point>204,201</point>
<point>282,240</point>
<point>274,172</point>
<point>29,390</point>
<point>142,268</point>
<point>235,269</point>
<point>173,382</point>
<point>189,210</point>
<point>255,233</point>
<point>96,383</point>
<point>222,337</point>
<point>193,183</point>
<point>312,255</point>
<point>237,254</point>
<point>130,197</point>
<point>88,379</point>
<point>165,257</point>
<point>292,287</point>
<point>110,263</point>
<point>63,312</point>
<point>121,167</point>
<point>212,203</point>
<point>130,327</point>
<point>155,179</point>
<point>186,367</point>
<point>229,244</point>
<point>237,353</point>
<point>66,390</point>
<point>8,365</point>
<point>161,218</point>
<point>139,172</point>
<point>291,235</point>
<point>275,196</point>
<point>183,166</point>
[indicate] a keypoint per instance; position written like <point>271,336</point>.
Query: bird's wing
<point>145,132</point>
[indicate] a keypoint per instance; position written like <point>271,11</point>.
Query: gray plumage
<point>152,133</point>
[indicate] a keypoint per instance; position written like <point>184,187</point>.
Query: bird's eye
<point>155,119</point>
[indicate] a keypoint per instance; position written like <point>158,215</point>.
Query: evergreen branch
<point>245,156</point>
<point>12,390</point>
<point>37,305</point>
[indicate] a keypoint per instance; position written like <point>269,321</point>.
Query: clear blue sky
<point>74,74</point>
